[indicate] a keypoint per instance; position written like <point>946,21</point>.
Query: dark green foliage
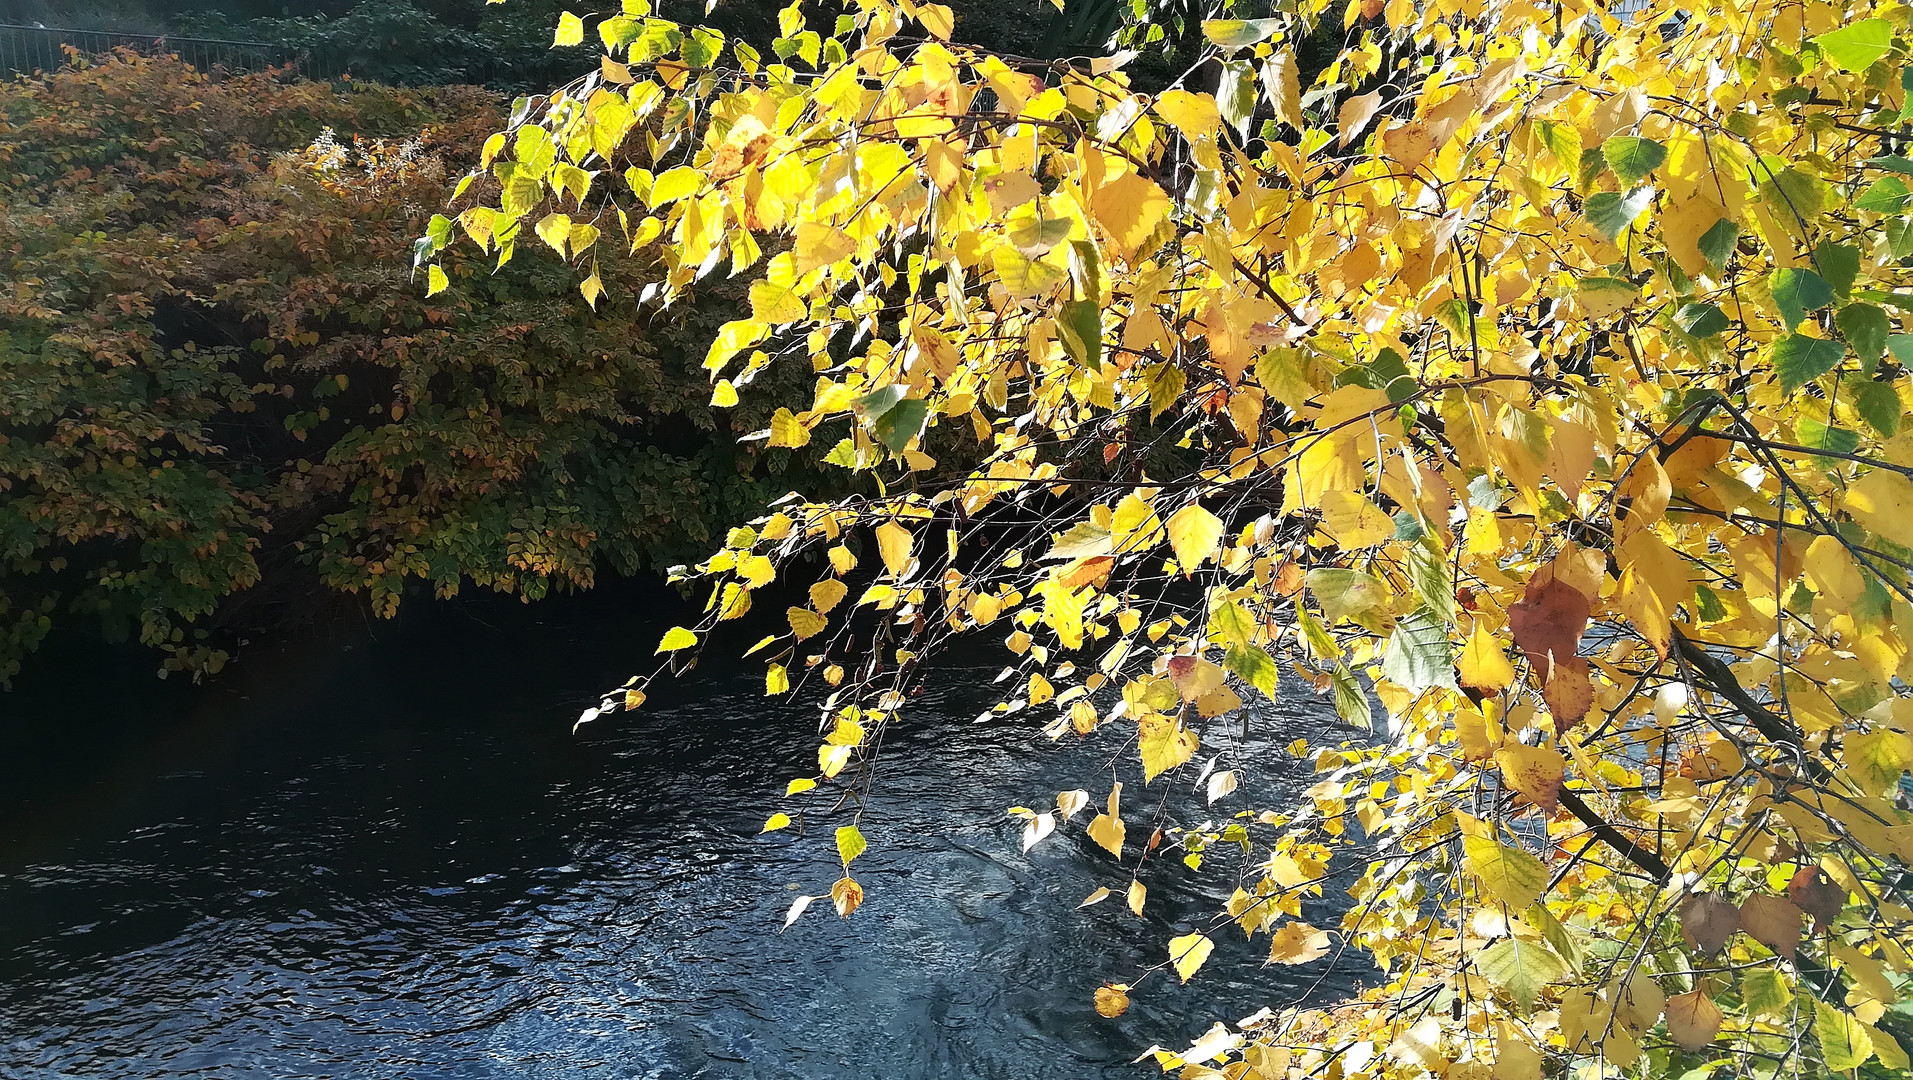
<point>220,388</point>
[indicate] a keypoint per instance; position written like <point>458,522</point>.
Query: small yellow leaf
<point>1188,953</point>
<point>1195,115</point>
<point>1534,771</point>
<point>776,822</point>
<point>827,594</point>
<point>894,544</point>
<point>847,896</point>
<point>723,395</point>
<point>1194,534</point>
<point>571,31</point>
<point>676,638</point>
<point>799,786</point>
<point>1298,943</point>
<point>1137,894</point>
<point>1112,1001</point>
<point>1107,829</point>
<point>805,622</point>
<point>435,280</point>
<point>776,680</point>
<point>1483,664</point>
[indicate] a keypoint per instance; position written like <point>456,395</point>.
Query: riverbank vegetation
<point>1535,376</point>
<point>222,402</point>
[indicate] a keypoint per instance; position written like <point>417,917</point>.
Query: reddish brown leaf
<point>1707,922</point>
<point>1814,894</point>
<point>847,895</point>
<point>1547,626</point>
<point>1693,1020</point>
<point>1548,620</point>
<point>1773,921</point>
<point>1090,571</point>
<point>1289,577</point>
<point>1568,692</point>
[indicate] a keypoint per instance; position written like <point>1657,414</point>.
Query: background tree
<point>221,404</point>
<point>1533,374</point>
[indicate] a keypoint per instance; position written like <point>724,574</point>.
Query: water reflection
<point>385,855</point>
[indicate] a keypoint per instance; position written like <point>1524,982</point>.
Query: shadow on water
<point>383,853</point>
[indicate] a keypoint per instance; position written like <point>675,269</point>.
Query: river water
<point>382,853</point>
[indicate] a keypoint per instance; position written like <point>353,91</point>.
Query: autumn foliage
<point>1529,382</point>
<point>219,400</point>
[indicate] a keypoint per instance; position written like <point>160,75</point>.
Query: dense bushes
<point>219,390</point>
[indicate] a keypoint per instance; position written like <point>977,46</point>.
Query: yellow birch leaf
<point>1534,771</point>
<point>1164,744</point>
<point>827,594</point>
<point>1195,115</point>
<point>1483,663</point>
<point>805,622</point>
<point>1194,534</point>
<point>676,638</point>
<point>1137,894</point>
<point>1107,829</point>
<point>1188,953</point>
<point>894,544</point>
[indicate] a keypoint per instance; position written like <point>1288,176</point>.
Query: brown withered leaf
<point>1547,625</point>
<point>1693,1020</point>
<point>1812,893</point>
<point>1707,922</point>
<point>847,895</point>
<point>1090,571</point>
<point>1112,1000</point>
<point>1774,921</point>
<point>1289,577</point>
<point>1568,692</point>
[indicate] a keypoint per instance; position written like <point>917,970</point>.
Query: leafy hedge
<point>219,390</point>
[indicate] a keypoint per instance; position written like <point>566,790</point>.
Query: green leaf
<point>1434,584</point>
<point>1231,625</point>
<point>1079,326</point>
<point>1346,594</point>
<point>1845,1043</point>
<point>1561,140</point>
<point>1839,264</point>
<point>1865,327</point>
<point>1351,704</point>
<point>1236,95</point>
<point>1879,406</point>
<point>439,229</point>
<point>1797,292</point>
<point>1857,46</point>
<point>1611,213</point>
<point>1823,437</point>
<point>1240,33</point>
<point>1717,244</point>
<point>1799,360</point>
<point>1508,874</point>
<point>1632,158</point>
<point>1888,195</point>
<point>1766,993</point>
<point>1253,666</point>
<point>874,404</point>
<point>1700,320</point>
<point>850,843</point>
<point>901,423</point>
<point>1522,968</point>
<point>1901,346</point>
<point>1418,655</point>
<point>1892,162</point>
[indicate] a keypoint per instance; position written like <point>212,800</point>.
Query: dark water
<point>384,854</point>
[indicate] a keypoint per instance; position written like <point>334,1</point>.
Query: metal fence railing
<point>27,49</point>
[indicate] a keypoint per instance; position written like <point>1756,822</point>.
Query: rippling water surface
<point>384,854</point>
